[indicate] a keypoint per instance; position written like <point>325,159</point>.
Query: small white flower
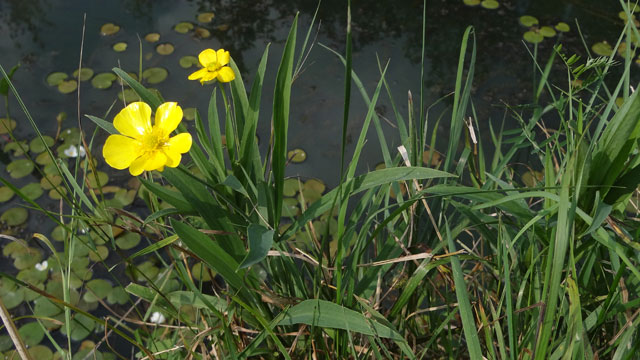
<point>42,266</point>
<point>157,318</point>
<point>73,151</point>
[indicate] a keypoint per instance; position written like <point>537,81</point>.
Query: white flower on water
<point>157,318</point>
<point>42,266</point>
<point>73,151</point>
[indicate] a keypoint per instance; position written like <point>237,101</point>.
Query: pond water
<point>45,37</point>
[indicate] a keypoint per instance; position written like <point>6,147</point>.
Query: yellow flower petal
<point>148,162</point>
<point>211,75</point>
<point>120,151</point>
<point>223,57</point>
<point>173,158</point>
<point>226,74</point>
<point>180,143</point>
<point>134,120</point>
<point>168,116</point>
<point>207,57</point>
<point>198,74</point>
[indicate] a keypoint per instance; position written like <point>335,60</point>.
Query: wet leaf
<point>99,289</point>
<point>291,186</point>
<point>32,191</point>
<point>188,61</point>
<point>5,343</point>
<point>315,185</point>
<point>205,17</point>
<point>562,27</point>
<point>58,233</point>
<point>528,20</point>
<point>43,159</point>
<point>85,74</point>
<point>471,2</point>
<point>96,181</point>
<point>55,78</point>
<point>28,259</point>
<point>14,216</point>
<point>128,95</point>
<point>189,113</point>
<point>68,86</point>
<point>490,4</point>
<point>101,254</point>
<point>103,80</point>
<point>117,296</point>
<point>41,352</point>
<point>37,145</point>
<point>119,46</point>
<point>13,298</point>
<point>50,181</point>
<point>547,31</point>
<point>57,193</point>
<point>32,276</point>
<point>5,194</point>
<point>183,27</point>
<point>223,27</point>
<point>533,37</point>
<point>297,155</point>
<point>155,75</point>
<point>290,207</point>
<point>7,125</point>
<point>128,240</point>
<point>109,29</point>
<point>152,37</point>
<point>165,49</point>
<point>20,168</point>
<point>16,147</point>
<point>202,33</point>
<point>602,48</point>
<point>31,333</point>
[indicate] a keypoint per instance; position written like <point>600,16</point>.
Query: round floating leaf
<point>490,4</point>
<point>117,296</point>
<point>297,155</point>
<point>528,20</point>
<point>165,49</point>
<point>50,181</point>
<point>602,48</point>
<point>188,61</point>
<point>223,27</point>
<point>314,185</point>
<point>202,33</point>
<point>289,207</point>
<point>32,191</point>
<point>99,289</point>
<point>128,240</point>
<point>17,147</point>
<point>532,177</point>
<point>109,29</point>
<point>31,333</point>
<point>155,75</point>
<point>68,86</point>
<point>152,37</point>
<point>14,216</point>
<point>56,78</point>
<point>471,2</point>
<point>32,276</point>
<point>103,80</point>
<point>57,193</point>
<point>128,95</point>
<point>189,113</point>
<point>119,46</point>
<point>7,125</point>
<point>201,273</point>
<point>183,27</point>
<point>81,327</point>
<point>291,186</point>
<point>5,343</point>
<point>28,259</point>
<point>101,253</point>
<point>72,134</point>
<point>533,37</point>
<point>13,298</point>
<point>5,194</point>
<point>20,168</point>
<point>547,31</point>
<point>39,145</point>
<point>102,179</point>
<point>43,159</point>
<point>85,74</point>
<point>435,158</point>
<point>562,27</point>
<point>58,233</point>
<point>41,352</point>
<point>205,17</point>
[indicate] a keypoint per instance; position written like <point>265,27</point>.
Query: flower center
<point>152,141</point>
<point>213,67</point>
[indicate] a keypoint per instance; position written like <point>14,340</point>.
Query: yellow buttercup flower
<point>214,66</point>
<point>144,146</point>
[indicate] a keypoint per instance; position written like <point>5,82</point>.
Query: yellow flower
<point>143,146</point>
<point>214,66</point>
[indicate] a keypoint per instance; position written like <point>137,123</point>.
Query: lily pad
<point>290,207</point>
<point>188,61</point>
<point>490,4</point>
<point>297,155</point>
<point>315,185</point>
<point>547,31</point>
<point>38,145</point>
<point>109,29</point>
<point>532,177</point>
<point>128,240</point>
<point>201,273</point>
<point>68,86</point>
<point>165,49</point>
<point>435,158</point>
<point>533,37</point>
<point>50,181</point>
<point>58,233</point>
<point>152,37</point>
<point>85,74</point>
<point>43,159</point>
<point>103,80</point>
<point>119,46</point>
<point>528,20</point>
<point>31,333</point>
<point>99,289</point>
<point>101,254</point>
<point>223,27</point>
<point>183,27</point>
<point>189,113</point>
<point>602,48</point>
<point>5,343</point>
<point>291,186</point>
<point>71,134</point>
<point>205,17</point>
<point>5,194</point>
<point>7,125</point>
<point>55,78</point>
<point>57,193</point>
<point>41,352</point>
<point>155,75</point>
<point>17,148</point>
<point>471,2</point>
<point>81,327</point>
<point>128,95</point>
<point>12,298</point>
<point>117,296</point>
<point>202,33</point>
<point>20,168</point>
<point>28,259</point>
<point>102,178</point>
<point>562,27</point>
<point>32,191</point>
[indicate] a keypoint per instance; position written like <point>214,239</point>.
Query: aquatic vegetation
<point>215,66</point>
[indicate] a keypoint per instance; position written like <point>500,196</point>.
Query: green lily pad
<point>28,259</point>
<point>5,194</point>
<point>43,159</point>
<point>81,327</point>
<point>101,254</point>
<point>20,168</point>
<point>532,177</point>
<point>119,46</point>
<point>183,27</point>
<point>128,240</point>
<point>100,288</point>
<point>562,27</point>
<point>223,27</point>
<point>155,75</point>
<point>7,125</point>
<point>128,95</point>
<point>32,191</point>
<point>50,181</point>
<point>103,80</point>
<point>85,74</point>
<point>471,2</point>
<point>315,185</point>
<point>147,268</point>
<point>205,17</point>
<point>291,186</point>
<point>201,273</point>
<point>13,249</point>
<point>297,155</point>
<point>528,20</point>
<point>290,207</point>
<point>41,352</point>
<point>188,61</point>
<point>5,343</point>
<point>71,134</point>
<point>38,145</point>
<point>165,49</point>
<point>602,48</point>
<point>57,193</point>
<point>17,148</point>
<point>189,113</point>
<point>55,78</point>
<point>31,333</point>
<point>202,33</point>
<point>12,298</point>
<point>58,233</point>
<point>117,296</point>
<point>490,4</point>
<point>102,178</point>
<point>547,31</point>
<point>533,37</point>
<point>109,29</point>
<point>152,37</point>
<point>32,276</point>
